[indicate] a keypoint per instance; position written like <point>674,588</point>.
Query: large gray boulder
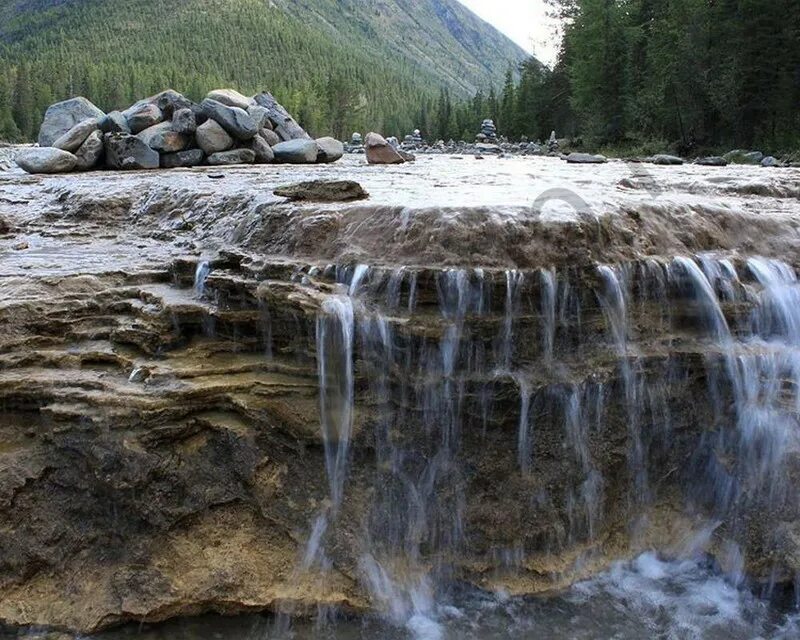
<point>62,116</point>
<point>270,136</point>
<point>234,156</point>
<point>143,115</point>
<point>666,159</point>
<point>237,122</point>
<point>163,139</point>
<point>379,151</point>
<point>212,138</point>
<point>75,137</point>
<point>188,158</point>
<point>125,151</point>
<point>114,122</point>
<point>90,152</point>
<point>585,158</point>
<point>712,161</point>
<point>260,115</point>
<point>329,149</point>
<point>231,98</point>
<point>770,161</point>
<point>183,121</point>
<point>741,156</point>
<point>300,151</point>
<point>263,152</point>
<point>169,102</point>
<point>284,125</point>
<point>46,160</point>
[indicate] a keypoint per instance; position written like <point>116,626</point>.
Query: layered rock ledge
<point>161,449</point>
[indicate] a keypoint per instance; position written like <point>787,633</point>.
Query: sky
<point>524,21</point>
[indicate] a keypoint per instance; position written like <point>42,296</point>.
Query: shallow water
<point>646,598</point>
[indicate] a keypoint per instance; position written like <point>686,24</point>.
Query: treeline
<point>687,73</point>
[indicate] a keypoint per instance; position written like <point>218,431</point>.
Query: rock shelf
<point>161,450</point>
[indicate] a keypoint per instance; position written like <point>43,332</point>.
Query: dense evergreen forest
<point>657,74</point>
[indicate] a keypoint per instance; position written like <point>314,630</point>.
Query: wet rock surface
<point>548,384</point>
<point>323,191</point>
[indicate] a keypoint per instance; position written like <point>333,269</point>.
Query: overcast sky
<point>524,21</point>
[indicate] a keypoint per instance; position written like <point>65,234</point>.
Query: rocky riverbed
<point>505,374</point>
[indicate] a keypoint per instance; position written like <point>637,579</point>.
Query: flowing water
<point>416,521</point>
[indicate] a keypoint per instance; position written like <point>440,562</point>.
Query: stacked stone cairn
<point>356,144</point>
<point>413,141</point>
<point>488,132</point>
<point>168,130</point>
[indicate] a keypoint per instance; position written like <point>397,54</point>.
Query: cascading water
<point>200,276</point>
<point>436,369</point>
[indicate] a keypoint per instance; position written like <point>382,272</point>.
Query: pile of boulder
<point>168,130</point>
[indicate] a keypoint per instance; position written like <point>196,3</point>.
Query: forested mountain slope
<point>338,64</point>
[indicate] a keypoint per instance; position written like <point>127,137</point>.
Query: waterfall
<point>200,276</point>
<point>335,329</point>
<point>514,283</point>
<point>524,430</point>
<point>549,286</point>
<point>436,379</point>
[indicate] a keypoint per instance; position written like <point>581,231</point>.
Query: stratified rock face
<point>424,390</point>
<point>379,151</point>
<point>46,160</point>
<point>62,116</point>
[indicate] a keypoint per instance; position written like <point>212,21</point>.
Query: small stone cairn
<point>552,143</point>
<point>413,141</point>
<point>356,144</point>
<point>488,132</point>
